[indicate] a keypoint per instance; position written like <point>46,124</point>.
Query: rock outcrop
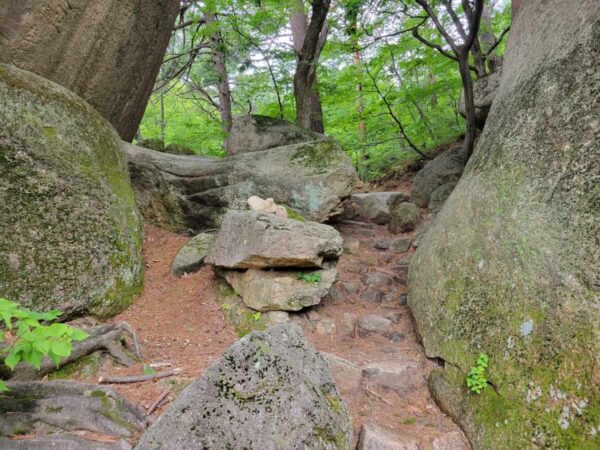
<point>373,206</point>
<point>484,92</point>
<point>107,52</point>
<point>270,390</point>
<point>511,265</point>
<point>253,132</point>
<point>268,290</point>
<point>191,256</point>
<point>70,232</point>
<point>191,193</point>
<point>252,240</point>
<point>445,168</point>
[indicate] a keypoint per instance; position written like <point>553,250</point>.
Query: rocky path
<point>382,369</point>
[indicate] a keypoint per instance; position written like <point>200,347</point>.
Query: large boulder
<point>405,217</point>
<point>253,240</point>
<point>253,132</point>
<point>511,265</point>
<point>192,193</point>
<point>70,232</point>
<point>191,256</point>
<point>374,206</point>
<point>270,390</point>
<point>267,290</point>
<point>443,169</point>
<point>107,52</point>
<point>484,92</point>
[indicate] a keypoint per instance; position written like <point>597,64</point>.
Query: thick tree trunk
<point>308,40</point>
<point>216,45</point>
<point>465,75</point>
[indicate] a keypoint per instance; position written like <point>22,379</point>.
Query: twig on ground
<point>138,378</point>
<point>158,401</point>
<point>371,391</point>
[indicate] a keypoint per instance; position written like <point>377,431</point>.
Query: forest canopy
<point>385,94</point>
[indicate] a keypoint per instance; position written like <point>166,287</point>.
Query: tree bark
<point>309,39</point>
<point>218,53</point>
<point>465,75</point>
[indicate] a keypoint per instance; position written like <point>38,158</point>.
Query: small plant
<point>256,316</point>
<point>148,370</point>
<point>476,380</point>
<point>313,277</point>
<point>29,341</point>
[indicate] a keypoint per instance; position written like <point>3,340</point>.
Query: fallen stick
<point>377,395</point>
<point>357,223</point>
<point>138,378</point>
<point>158,401</point>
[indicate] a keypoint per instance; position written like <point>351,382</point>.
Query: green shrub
<point>28,340</point>
<point>313,277</point>
<point>476,380</point>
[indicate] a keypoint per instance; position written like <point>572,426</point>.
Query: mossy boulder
<point>270,390</point>
<point>511,265</point>
<point>70,234</point>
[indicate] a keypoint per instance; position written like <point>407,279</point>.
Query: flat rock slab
<point>192,255</point>
<point>397,375</point>
<point>252,240</point>
<point>375,206</point>
<point>270,390</point>
<point>273,290</point>
<point>374,437</point>
<point>61,442</point>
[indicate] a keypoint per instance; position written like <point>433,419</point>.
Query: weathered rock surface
<point>439,197</point>
<point>251,240</point>
<point>484,92</point>
<point>401,245</point>
<point>375,206</point>
<point>405,217</point>
<point>253,132</point>
<point>191,256</point>
<point>398,375</point>
<point>42,408</point>
<point>61,442</point>
<point>454,440</point>
<point>374,437</point>
<point>70,232</point>
<point>266,206</point>
<point>192,192</point>
<point>445,168</point>
<point>107,52</point>
<point>270,290</point>
<point>511,265</point>
<point>270,390</point>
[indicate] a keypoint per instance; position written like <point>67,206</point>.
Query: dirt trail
<point>178,321</point>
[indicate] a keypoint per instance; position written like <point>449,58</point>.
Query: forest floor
<point>180,325</point>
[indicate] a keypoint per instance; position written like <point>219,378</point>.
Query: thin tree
<point>460,47</point>
<point>309,39</point>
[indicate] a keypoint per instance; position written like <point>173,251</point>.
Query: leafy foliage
<point>476,380</point>
<point>312,277</point>
<point>29,340</point>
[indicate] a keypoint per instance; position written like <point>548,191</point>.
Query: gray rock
<point>372,295</point>
<point>516,244</point>
<point>253,132</point>
<point>376,279</point>
<point>193,193</point>
<point>439,197</point>
<point>398,375</point>
<point>60,442</point>
<point>386,257</point>
<point>375,324</point>
<point>374,437</point>
<point>248,239</point>
<point>401,245</point>
<point>273,318</point>
<point>325,327</point>
<point>349,320</point>
<point>107,52</point>
<point>382,244</point>
<point>375,206</point>
<point>350,286</point>
<point>454,440</point>
<point>351,245</point>
<point>70,233</point>
<point>269,391</point>
<point>484,92</point>
<point>271,290</point>
<point>405,217</point>
<point>192,254</point>
<point>445,168</point>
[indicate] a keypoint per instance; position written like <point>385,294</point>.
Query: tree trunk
<point>465,75</point>
<point>487,39</point>
<point>308,42</point>
<point>218,53</point>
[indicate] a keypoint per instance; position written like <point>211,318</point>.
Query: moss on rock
<point>71,234</point>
